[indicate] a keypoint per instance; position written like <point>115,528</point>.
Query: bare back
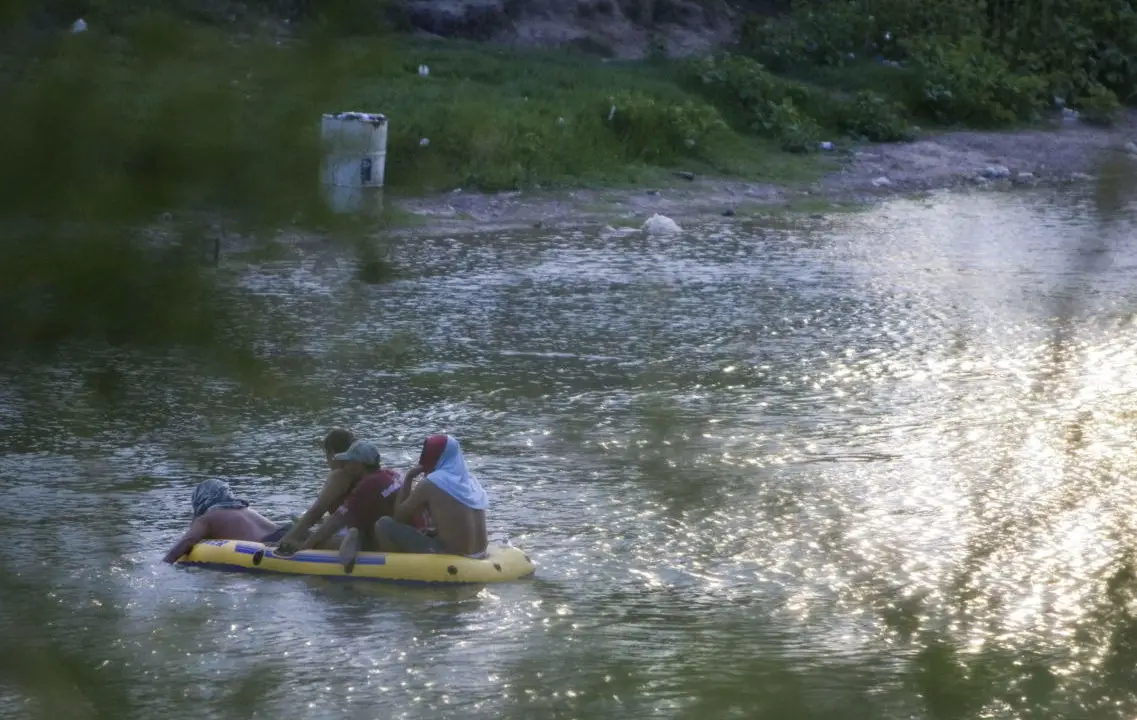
<point>233,524</point>
<point>222,524</point>
<point>461,530</point>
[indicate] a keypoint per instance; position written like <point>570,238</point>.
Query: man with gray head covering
<point>220,515</point>
<point>211,494</point>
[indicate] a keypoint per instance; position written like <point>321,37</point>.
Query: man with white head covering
<point>449,493</point>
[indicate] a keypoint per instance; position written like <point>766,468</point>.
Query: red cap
<point>432,449</point>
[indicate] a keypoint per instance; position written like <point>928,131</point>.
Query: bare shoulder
<point>436,496</point>
<point>206,525</point>
<point>338,481</point>
<point>427,493</point>
<point>257,515</point>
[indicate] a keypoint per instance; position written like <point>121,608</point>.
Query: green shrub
<point>837,32</point>
<point>103,138</point>
<point>758,101</point>
<point>656,130</point>
<point>1077,44</point>
<point>829,34</point>
<point>735,80</point>
<point>504,143</point>
<point>964,83</point>
<point>874,118</point>
<point>795,131</point>
<point>1099,106</point>
<point>1073,44</point>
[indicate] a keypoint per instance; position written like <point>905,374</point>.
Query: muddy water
<point>876,465</point>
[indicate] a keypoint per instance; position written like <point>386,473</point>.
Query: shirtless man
<point>218,515</point>
<point>337,485</point>
<point>453,497</point>
<point>372,496</point>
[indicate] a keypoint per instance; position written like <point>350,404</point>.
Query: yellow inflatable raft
<point>502,563</point>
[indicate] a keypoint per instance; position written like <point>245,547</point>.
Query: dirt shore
<point>1066,151</point>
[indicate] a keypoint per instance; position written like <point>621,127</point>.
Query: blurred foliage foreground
<point>126,156</point>
<point>130,148</point>
<point>120,156</point>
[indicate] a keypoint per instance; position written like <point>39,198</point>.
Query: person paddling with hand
<point>450,493</point>
<point>337,485</point>
<point>220,515</point>
<point>371,496</point>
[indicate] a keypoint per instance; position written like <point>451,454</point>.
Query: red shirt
<point>371,498</point>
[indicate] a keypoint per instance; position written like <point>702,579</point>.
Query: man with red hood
<point>449,493</point>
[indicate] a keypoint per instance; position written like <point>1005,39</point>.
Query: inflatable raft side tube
<point>241,569</point>
<point>502,563</point>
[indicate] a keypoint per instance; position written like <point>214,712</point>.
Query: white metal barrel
<point>355,149</point>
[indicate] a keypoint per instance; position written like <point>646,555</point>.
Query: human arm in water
<point>198,531</point>
<point>335,487</point>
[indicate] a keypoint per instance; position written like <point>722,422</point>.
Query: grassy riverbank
<point>148,116</point>
<point>484,118</point>
<point>191,126</point>
<point>201,111</point>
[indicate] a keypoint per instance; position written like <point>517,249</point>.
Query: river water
<point>876,465</point>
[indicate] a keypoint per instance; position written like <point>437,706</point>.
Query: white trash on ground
<point>79,26</point>
<point>661,225</point>
<point>609,231</point>
<point>997,172</point>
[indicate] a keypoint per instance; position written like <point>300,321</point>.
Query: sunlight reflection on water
<point>739,454</point>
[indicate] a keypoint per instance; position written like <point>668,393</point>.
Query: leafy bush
<point>795,131</point>
<point>1074,45</point>
<point>831,34</point>
<point>1077,45</point>
<point>101,143</point>
<point>791,112</point>
<point>1099,106</point>
<point>759,102</point>
<point>657,130</point>
<point>836,32</point>
<point>964,83</point>
<point>736,80</point>
<point>875,118</point>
